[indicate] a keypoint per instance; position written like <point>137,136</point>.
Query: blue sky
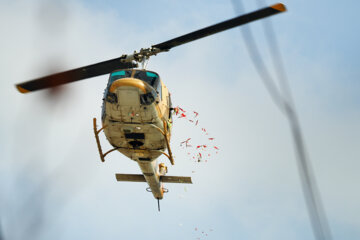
<point>52,181</point>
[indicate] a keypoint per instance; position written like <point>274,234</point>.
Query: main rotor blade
<point>73,75</point>
<point>219,27</point>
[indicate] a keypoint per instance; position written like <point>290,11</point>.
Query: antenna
<point>158,200</point>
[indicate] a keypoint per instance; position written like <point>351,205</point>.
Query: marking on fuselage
<point>148,174</point>
<point>135,135</point>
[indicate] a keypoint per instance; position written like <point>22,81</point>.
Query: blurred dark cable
<point>285,103</point>
<point>276,57</point>
<point>258,62</point>
<point>1,232</point>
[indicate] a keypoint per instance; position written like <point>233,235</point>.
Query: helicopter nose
<point>128,91</point>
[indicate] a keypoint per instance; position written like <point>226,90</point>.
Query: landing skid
<point>163,132</point>
<point>96,132</point>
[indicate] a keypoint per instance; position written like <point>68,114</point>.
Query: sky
<point>53,184</point>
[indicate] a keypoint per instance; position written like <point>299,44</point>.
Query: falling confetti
<point>202,233</point>
<point>206,149</point>
<point>199,157</point>
<point>186,143</point>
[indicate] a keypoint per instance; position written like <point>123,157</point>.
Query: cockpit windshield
<point>150,77</point>
<point>119,74</point>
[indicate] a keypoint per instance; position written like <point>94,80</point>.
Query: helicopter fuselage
<point>136,116</point>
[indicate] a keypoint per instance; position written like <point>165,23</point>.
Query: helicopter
<point>137,109</point>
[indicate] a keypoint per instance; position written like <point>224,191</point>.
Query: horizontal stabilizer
<point>175,179</point>
<point>130,177</point>
<point>141,178</point>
